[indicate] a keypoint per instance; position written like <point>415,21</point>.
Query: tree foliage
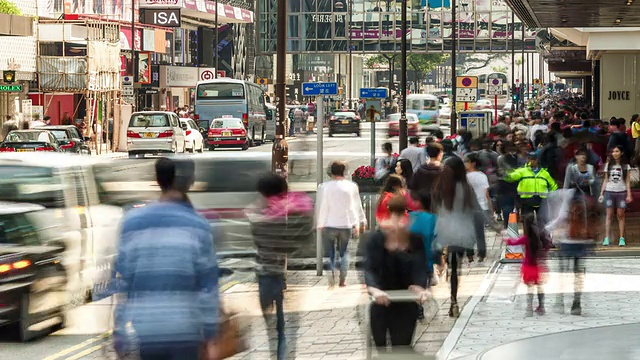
<point>479,61</point>
<point>9,8</point>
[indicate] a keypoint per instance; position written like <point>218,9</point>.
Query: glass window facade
<point>372,26</point>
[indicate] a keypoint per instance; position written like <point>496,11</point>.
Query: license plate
<point>24,150</point>
<point>226,133</point>
<point>149,135</point>
<point>345,121</point>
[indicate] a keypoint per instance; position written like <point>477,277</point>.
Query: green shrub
<point>7,7</point>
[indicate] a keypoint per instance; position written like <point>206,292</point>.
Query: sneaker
<point>342,283</point>
<point>454,311</point>
<point>621,242</point>
<point>605,242</point>
<point>540,311</point>
<point>420,312</point>
<point>528,312</point>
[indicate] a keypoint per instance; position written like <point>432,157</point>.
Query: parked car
<point>393,120</point>
<point>33,279</point>
<point>155,132</point>
<point>29,141</point>
<point>69,138</point>
<point>227,132</point>
<point>193,138</point>
<point>344,122</point>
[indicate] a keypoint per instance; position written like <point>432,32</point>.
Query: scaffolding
<point>83,57</point>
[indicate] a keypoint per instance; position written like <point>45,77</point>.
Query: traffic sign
<point>466,94</point>
<point>262,81</point>
<point>467,81</point>
<point>319,88</point>
<point>537,81</point>
<point>373,93</point>
<point>494,87</point>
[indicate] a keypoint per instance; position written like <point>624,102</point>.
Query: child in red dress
<point>533,265</point>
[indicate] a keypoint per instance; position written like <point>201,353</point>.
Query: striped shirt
<point>167,275</point>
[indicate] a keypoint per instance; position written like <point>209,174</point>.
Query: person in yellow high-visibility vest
<point>534,185</point>
<point>635,132</point>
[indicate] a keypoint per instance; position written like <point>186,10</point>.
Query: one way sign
<point>319,88</point>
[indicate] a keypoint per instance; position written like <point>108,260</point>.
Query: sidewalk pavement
<point>332,322</point>
<point>610,297</point>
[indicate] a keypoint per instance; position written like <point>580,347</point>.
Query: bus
<point>238,98</point>
<point>427,108</point>
<point>485,78</point>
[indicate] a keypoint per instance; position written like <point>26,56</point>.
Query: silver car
<point>155,132</point>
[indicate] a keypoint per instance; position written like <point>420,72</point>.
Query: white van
<point>65,184</point>
<point>155,132</point>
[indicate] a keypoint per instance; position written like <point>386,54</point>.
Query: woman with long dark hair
<point>394,185</point>
<point>455,204</point>
<point>616,191</point>
<point>404,169</point>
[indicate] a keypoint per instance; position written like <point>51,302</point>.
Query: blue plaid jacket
<point>166,276</point>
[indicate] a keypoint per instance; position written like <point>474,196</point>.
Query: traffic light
<point>535,92</point>
<point>9,76</point>
<point>515,93</point>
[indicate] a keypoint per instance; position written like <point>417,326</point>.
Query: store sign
<point>619,95</point>
<point>10,88</point>
<point>161,17</point>
<point>178,76</point>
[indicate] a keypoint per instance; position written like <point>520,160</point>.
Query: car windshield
<point>226,123</point>
<point>423,104</point>
<point>30,184</point>
<point>60,134</point>
<point>16,229</point>
<point>149,120</point>
<point>345,114</point>
<point>27,136</point>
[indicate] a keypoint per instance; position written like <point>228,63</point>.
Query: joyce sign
<point>161,17</point>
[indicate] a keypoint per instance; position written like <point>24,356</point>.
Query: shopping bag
<point>230,340</point>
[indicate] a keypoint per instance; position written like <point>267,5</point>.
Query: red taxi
<point>394,124</point>
<point>227,132</point>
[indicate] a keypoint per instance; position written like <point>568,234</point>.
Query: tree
<point>422,64</point>
<point>500,69</point>
<point>479,61</point>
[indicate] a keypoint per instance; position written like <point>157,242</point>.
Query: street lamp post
<point>217,40</point>
<point>403,66</point>
<point>513,59</point>
<point>280,150</point>
<point>454,113</point>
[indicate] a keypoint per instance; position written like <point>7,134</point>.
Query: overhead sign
<point>10,88</point>
<point>466,94</point>
<point>467,81</point>
<point>494,87</point>
<point>161,17</point>
<point>319,88</point>
<point>373,93</point>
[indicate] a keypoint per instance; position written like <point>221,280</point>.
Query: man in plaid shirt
<point>166,273</point>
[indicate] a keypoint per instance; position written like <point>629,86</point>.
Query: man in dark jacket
<point>427,174</point>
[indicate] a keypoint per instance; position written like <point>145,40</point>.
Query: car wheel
<point>358,134</point>
<point>212,148</point>
<point>330,134</point>
<point>201,147</point>
<point>245,146</point>
<point>132,155</point>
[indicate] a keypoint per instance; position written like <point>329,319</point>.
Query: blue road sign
<point>319,88</point>
<point>373,93</point>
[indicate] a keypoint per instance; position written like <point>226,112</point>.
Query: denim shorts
<point>615,200</point>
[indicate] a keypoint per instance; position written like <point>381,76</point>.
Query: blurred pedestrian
<point>395,260</point>
<point>415,154</point>
<point>385,165</point>
<point>167,273</point>
<point>281,223</point>
<point>340,217</point>
<point>455,204</point>
<point>394,185</point>
<point>427,174</point>
<point>404,169</point>
<point>533,265</point>
<point>480,184</point>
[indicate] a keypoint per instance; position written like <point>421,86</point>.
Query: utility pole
<point>134,60</point>
<point>454,113</point>
<point>280,150</point>
<point>217,40</point>
<point>513,59</point>
<point>403,66</point>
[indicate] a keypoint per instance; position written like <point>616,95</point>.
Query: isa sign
<point>373,93</point>
<point>319,88</point>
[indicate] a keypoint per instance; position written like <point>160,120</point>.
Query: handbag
<point>230,340</point>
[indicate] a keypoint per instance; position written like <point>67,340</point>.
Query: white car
<point>483,104</point>
<point>154,132</point>
<point>445,115</point>
<point>192,136</point>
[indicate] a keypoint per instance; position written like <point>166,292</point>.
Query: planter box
<point>368,186</point>
<point>16,25</point>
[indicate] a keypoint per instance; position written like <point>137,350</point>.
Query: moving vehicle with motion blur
<point>227,132</point>
<point>483,104</point>
<point>30,141</point>
<point>33,279</point>
<point>237,98</point>
<point>67,186</point>
<point>270,134</point>
<point>69,137</point>
<point>394,125</point>
<point>427,108</point>
<point>444,115</point>
<point>192,135</point>
<point>344,122</point>
<point>155,132</point>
